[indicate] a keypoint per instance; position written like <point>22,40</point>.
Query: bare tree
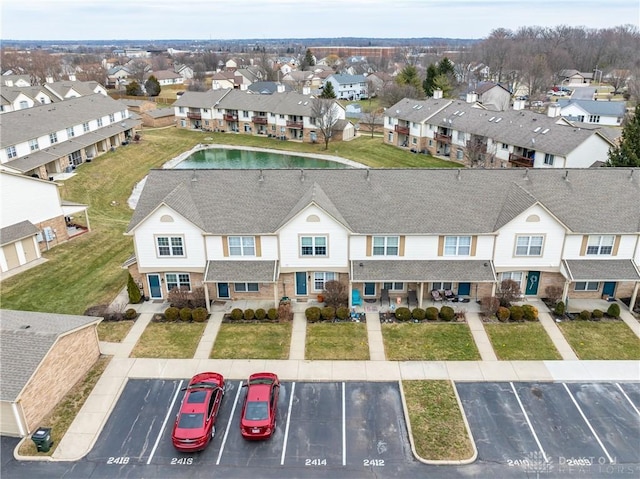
<point>138,68</point>
<point>325,113</point>
<point>371,119</point>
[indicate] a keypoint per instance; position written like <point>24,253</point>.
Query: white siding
<point>268,247</point>
<point>26,198</point>
<point>590,151</point>
<point>573,244</point>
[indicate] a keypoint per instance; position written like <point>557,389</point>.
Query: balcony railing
<point>477,146</point>
<point>294,124</point>
<point>194,115</point>
<point>260,120</point>
<point>443,138</point>
<point>519,160</point>
<point>403,130</point>
<point>230,117</point>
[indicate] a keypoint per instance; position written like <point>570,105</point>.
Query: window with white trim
<point>587,286</point>
<point>178,280</point>
<point>24,105</point>
<point>11,152</point>
<point>385,245</point>
<point>548,159</point>
<point>594,118</point>
<point>600,244</point>
<point>112,118</point>
<point>440,286</point>
<point>70,132</point>
<point>99,122</point>
<point>513,275</point>
<point>245,287</point>
<point>53,137</point>
<point>33,145</point>
<point>313,246</point>
<point>242,246</point>
<point>170,245</point>
<point>393,286</point>
<point>320,278</point>
<point>85,127</point>
<point>457,245</point>
<point>529,245</point>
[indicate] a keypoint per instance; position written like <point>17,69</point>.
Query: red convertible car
<point>195,422</point>
<point>258,419</point>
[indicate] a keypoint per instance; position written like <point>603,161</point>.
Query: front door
<point>369,289</point>
<point>532,283</point>
<point>301,283</point>
<point>155,292</point>
<point>223,290</point>
<point>609,288</point>
<point>464,289</point>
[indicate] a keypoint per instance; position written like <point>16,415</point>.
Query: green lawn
<point>252,341</point>
<point>169,340</point>
<point>521,341</point>
<point>114,331</point>
<point>91,264</point>
<point>429,342</point>
<point>601,339</point>
<point>436,421</point>
<point>337,341</point>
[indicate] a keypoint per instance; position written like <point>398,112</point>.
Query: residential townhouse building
<point>348,87</point>
<point>72,88</point>
<point>609,113</point>
<point>288,232</point>
<point>474,136</point>
<point>21,98</point>
<point>281,115</point>
<point>55,138</point>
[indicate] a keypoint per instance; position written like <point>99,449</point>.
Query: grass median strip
<point>429,342</point>
<point>114,331</point>
<point>252,341</point>
<point>176,340</point>
<point>337,341</point>
<point>521,342</point>
<point>611,340</point>
<point>437,426</point>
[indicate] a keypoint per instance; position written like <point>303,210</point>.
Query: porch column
<point>493,289</point>
<point>420,293</point>
<point>275,294</point>
<point>634,296</point>
<point>206,297</point>
<point>565,292</point>
<point>86,217</point>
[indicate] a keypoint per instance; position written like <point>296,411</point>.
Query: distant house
<point>349,87</point>
<point>166,77</point>
<point>574,78</point>
<point>184,71</point>
<point>65,89</point>
<point>378,81</point>
<point>266,87</point>
<point>21,98</point>
<point>42,356</point>
<point>158,117</point>
<point>610,113</point>
<point>493,96</point>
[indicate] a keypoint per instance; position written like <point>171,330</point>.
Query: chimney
<point>553,111</point>
<point>215,85</point>
<point>243,87</point>
<point>8,83</point>
<point>306,90</point>
<point>518,105</point>
<point>49,79</point>
<point>280,88</point>
<point>72,78</point>
<point>471,97</point>
<point>437,94</point>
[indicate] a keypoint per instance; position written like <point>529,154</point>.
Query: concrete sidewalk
<point>92,417</point>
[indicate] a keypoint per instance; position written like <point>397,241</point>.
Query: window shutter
<point>369,241</point>
<point>616,245</point>
<point>583,248</point>
<point>401,249</point>
<point>474,245</point>
<point>258,246</point>
<point>440,245</point>
<point>225,246</point>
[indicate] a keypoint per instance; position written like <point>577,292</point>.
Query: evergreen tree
<point>428,83</point>
<point>627,152</point>
<point>445,67</point>
<point>327,91</point>
<point>133,89</point>
<point>152,86</point>
<point>409,76</point>
<point>308,60</point>
<point>134,291</point>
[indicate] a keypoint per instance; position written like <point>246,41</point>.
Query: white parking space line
<point>286,429</point>
<point>226,431</point>
<point>164,423</point>
<point>344,427</point>
<point>526,417</point>
<point>628,399</point>
<point>588,423</point>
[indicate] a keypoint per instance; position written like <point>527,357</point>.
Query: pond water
<point>222,158</point>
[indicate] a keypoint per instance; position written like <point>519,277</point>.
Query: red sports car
<point>258,420</point>
<point>195,422</point>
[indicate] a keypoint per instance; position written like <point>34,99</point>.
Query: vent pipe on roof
<point>302,175</point>
<point>368,179</point>
<point>459,174</point>
<point>194,178</point>
<point>526,173</point>
<point>631,175</point>
<point>566,175</point>
<point>261,177</point>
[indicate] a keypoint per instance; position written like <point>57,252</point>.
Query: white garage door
<point>8,421</point>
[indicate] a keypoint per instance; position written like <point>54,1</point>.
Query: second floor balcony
<point>519,160</point>
<point>230,117</point>
<point>194,115</point>
<point>443,137</point>
<point>297,124</point>
<point>260,120</point>
<point>402,130</point>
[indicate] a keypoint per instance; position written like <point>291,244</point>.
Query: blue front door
<point>532,283</point>
<point>301,283</point>
<point>223,290</point>
<point>464,289</point>
<point>154,286</point>
<point>609,288</point>
<point>369,289</point>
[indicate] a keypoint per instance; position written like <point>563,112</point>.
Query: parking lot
<point>319,425</point>
<point>555,427</point>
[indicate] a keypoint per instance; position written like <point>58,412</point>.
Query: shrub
<point>200,315</point>
<point>342,313</point>
<point>554,293</point>
<point>431,313</point>
<point>284,311</point>
<point>130,314</point>
<point>328,313</point>
<point>508,292</point>
<point>272,314</point>
<point>172,313</point>
<point>260,314</point>
<point>447,313</point>
<point>313,314</point>
<point>516,313</point>
<point>503,314</point>
<point>614,310</point>
<point>236,314</point>
<point>185,314</point>
<point>197,299</point>
<point>585,315</point>
<point>249,314</point>
<point>403,314</point>
<point>489,305</point>
<point>418,314</point>
<point>179,297</point>
<point>335,294</point>
<point>134,291</point>
<point>530,312</point>
<point>560,308</point>
<point>597,314</point>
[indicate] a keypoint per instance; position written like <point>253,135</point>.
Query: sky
<point>262,19</point>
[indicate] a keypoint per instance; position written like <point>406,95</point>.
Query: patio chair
<point>412,298</point>
<point>435,295</point>
<point>449,296</point>
<point>356,300</point>
<point>384,296</point>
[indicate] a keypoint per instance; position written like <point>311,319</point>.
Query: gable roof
<point>375,201</point>
<point>343,78</point>
<point>18,231</point>
<point>593,107</point>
